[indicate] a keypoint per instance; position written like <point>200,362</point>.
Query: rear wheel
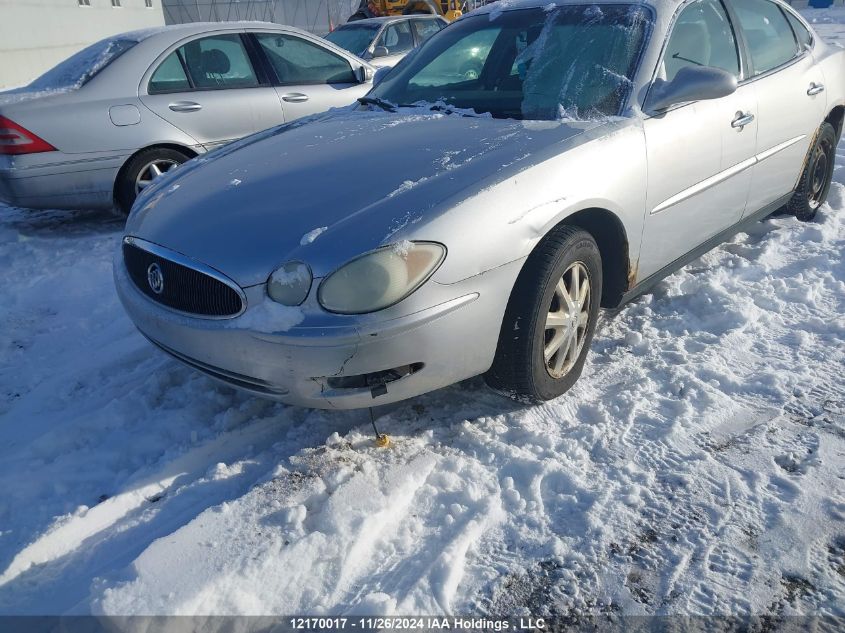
<point>814,183</point>
<point>550,319</point>
<point>142,170</point>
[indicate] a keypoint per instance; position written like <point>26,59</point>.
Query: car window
<point>702,36</point>
<point>804,36</point>
<point>298,61</point>
<point>80,68</point>
<point>768,34</point>
<point>426,28</point>
<point>169,76</point>
<point>218,61</point>
<point>354,37</point>
<point>567,62</point>
<point>397,38</point>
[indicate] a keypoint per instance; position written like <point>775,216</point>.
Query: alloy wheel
<point>152,171</point>
<point>567,321</point>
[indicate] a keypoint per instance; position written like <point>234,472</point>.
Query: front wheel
<point>815,180</point>
<point>550,318</point>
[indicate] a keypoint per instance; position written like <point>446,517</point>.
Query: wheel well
<point>835,118</point>
<point>609,233</point>
<point>179,148</point>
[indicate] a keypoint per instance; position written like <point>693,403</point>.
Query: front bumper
<point>453,339</point>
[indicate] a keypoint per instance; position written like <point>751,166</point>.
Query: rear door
<point>210,88</point>
<point>309,76</point>
<point>700,154</point>
<point>790,95</point>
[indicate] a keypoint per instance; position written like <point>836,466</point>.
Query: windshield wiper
<point>449,109</point>
<point>376,101</point>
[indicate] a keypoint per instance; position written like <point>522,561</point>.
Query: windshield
<point>572,61</point>
<point>79,69</point>
<point>355,38</point>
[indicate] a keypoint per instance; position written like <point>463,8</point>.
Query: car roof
<point>196,28</point>
<point>395,18</point>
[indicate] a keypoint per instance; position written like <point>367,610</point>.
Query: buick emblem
<point>155,278</point>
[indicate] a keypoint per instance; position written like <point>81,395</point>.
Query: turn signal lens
<point>290,283</point>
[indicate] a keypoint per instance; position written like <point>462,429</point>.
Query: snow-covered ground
<point>697,467</point>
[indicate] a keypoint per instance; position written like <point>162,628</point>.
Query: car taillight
<point>15,139</point>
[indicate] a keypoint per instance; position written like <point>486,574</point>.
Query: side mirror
<point>692,83</point>
<point>364,74</point>
<point>380,51</point>
<point>381,73</point>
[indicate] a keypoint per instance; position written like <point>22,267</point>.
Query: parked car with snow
<point>102,125</point>
<point>385,41</point>
<point>601,147</point>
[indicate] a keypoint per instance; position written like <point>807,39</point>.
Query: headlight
<point>290,284</point>
<point>380,278</point>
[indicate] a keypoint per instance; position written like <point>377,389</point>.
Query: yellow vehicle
<point>449,9</point>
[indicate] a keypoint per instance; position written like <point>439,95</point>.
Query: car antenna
<point>382,440</point>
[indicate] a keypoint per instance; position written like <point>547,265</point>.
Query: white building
<point>37,34</point>
<point>317,16</point>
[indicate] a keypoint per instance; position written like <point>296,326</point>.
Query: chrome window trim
<point>187,262</point>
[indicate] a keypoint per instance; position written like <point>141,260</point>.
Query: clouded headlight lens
<point>290,284</point>
<point>380,278</point>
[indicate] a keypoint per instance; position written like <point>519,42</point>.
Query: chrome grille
<point>184,287</point>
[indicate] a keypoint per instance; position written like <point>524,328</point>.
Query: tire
<point>126,188</point>
<point>520,368</point>
<point>814,184</point>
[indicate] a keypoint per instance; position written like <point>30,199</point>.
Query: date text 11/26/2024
<point>416,623</point>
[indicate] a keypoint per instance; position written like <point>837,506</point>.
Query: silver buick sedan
<point>600,147</point>
<point>102,125</point>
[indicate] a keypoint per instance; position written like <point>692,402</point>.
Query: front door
<point>209,89</point>
<point>700,154</point>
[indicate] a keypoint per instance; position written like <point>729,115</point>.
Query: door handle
<point>295,97</point>
<point>815,89</point>
<point>742,119</point>
<point>185,106</point>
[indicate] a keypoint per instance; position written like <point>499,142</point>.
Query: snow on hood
<point>362,178</point>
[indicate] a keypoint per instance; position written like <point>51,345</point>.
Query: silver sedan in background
<point>601,146</point>
<point>385,41</point>
<point>101,126</point>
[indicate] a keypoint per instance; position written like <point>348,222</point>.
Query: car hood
<point>328,190</point>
